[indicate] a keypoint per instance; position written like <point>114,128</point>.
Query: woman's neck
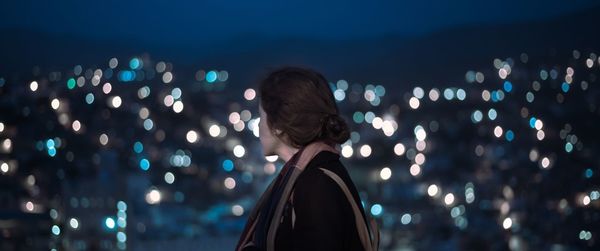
<point>286,152</point>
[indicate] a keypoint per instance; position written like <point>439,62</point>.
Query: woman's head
<point>297,107</point>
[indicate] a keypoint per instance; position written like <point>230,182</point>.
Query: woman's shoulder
<point>327,160</point>
<point>313,179</point>
<point>315,183</point>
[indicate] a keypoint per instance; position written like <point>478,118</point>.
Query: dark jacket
<point>324,219</point>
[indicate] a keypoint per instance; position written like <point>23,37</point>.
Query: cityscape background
<point>133,125</point>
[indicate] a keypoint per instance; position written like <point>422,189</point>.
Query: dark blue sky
<point>214,20</point>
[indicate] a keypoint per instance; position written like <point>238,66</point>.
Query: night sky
<point>170,21</point>
<point>341,38</point>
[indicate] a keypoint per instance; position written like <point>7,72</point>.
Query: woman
<point>312,204</point>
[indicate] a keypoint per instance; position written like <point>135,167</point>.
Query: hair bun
<point>335,128</point>
<point>333,123</point>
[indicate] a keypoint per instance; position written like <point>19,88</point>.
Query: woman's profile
<point>312,204</point>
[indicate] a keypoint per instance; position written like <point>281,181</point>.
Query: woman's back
<point>321,214</point>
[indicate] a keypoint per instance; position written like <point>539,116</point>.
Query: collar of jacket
<point>321,158</point>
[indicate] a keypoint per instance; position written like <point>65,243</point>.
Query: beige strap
<point>311,151</point>
<point>363,231</point>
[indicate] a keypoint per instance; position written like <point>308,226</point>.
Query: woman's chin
<point>267,152</point>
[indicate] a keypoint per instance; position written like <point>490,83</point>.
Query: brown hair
<point>300,103</point>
